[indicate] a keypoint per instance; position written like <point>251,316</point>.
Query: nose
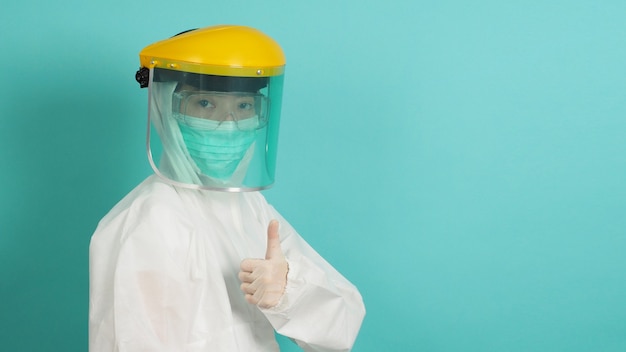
<point>226,114</point>
<point>227,110</point>
<point>229,116</point>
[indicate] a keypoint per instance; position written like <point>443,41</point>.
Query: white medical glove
<point>264,280</point>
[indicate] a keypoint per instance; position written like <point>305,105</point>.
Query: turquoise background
<point>463,163</point>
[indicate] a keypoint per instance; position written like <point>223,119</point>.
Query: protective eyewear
<point>221,106</point>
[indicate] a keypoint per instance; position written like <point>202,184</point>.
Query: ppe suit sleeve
<point>143,292</point>
<point>320,309</point>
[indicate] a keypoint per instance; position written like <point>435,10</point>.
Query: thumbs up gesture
<point>264,280</point>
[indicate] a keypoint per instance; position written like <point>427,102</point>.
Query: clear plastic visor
<point>214,132</point>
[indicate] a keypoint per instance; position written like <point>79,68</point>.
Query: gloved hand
<point>264,280</point>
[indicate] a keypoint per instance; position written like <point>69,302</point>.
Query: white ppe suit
<point>163,277</point>
<point>164,265</point>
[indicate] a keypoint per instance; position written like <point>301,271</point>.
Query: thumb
<point>273,241</point>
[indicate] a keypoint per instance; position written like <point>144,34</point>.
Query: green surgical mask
<point>217,147</point>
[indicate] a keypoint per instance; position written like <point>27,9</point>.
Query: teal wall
<point>463,163</point>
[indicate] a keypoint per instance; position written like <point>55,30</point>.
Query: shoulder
<point>255,199</point>
<point>152,200</point>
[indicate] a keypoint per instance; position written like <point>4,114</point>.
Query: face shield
<point>214,132</point>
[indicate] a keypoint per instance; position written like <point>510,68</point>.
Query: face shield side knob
<point>143,76</point>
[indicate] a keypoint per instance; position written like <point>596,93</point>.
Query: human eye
<point>200,105</point>
<point>205,103</point>
<point>246,104</point>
